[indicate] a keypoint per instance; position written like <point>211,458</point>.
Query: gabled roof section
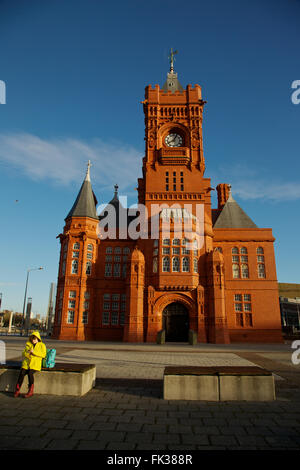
<point>233,216</point>
<point>85,204</point>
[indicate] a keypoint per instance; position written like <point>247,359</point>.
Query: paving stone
<point>62,444</point>
<point>10,442</point>
<point>208,430</point>
<point>196,439</point>
<point>109,436</point>
<point>100,426</point>
<point>91,445</point>
<point>121,446</point>
<point>59,433</point>
<point>87,435</point>
<point>138,437</point>
<point>167,438</point>
<point>233,430</point>
<point>135,427</point>
<point>223,440</point>
<point>33,443</point>
<point>246,441</point>
<point>6,430</point>
<point>155,428</point>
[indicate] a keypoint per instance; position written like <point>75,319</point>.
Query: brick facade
<point>128,289</point>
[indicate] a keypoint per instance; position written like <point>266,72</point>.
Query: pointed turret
<point>233,216</point>
<point>85,204</point>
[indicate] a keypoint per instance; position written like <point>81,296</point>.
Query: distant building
<point>51,307</point>
<point>289,299</point>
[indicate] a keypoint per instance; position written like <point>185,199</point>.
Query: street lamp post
<point>25,295</point>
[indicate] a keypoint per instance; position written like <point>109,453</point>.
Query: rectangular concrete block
<point>76,380</point>
<point>191,387</point>
<point>247,387</point>
<point>223,383</point>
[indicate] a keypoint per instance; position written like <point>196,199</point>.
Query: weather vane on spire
<point>172,59</point>
<point>87,177</point>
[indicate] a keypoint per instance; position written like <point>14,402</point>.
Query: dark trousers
<point>22,374</point>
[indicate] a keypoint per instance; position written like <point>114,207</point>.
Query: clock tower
<point>174,189</point>
<point>173,166</point>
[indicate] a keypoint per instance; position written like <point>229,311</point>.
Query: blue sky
<point>75,73</point>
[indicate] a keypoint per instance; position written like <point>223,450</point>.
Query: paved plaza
<point>126,411</point>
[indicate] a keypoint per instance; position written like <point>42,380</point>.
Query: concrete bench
<point>218,383</point>
<point>62,379</point>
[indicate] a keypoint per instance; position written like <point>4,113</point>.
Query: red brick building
<point>124,288</point>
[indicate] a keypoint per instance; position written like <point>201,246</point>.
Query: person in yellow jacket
<point>33,354</point>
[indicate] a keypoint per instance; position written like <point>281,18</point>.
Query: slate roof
<point>85,203</point>
<point>233,216</point>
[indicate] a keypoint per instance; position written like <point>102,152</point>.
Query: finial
<point>172,59</point>
<point>116,189</point>
<point>87,176</point>
<point>230,198</point>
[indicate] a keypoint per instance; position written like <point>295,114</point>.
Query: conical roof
<point>233,216</point>
<point>85,203</point>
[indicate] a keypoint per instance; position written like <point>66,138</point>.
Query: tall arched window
<point>245,271</point>
<point>74,266</point>
<point>76,246</point>
<point>88,269</point>
<point>261,270</point>
<point>175,264</point>
<point>185,264</point>
<point>235,271</point>
<point>166,264</point>
<point>195,265</point>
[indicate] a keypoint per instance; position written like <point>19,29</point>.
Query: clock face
<point>173,140</point>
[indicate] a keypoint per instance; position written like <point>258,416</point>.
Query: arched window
<point>244,250</point>
<point>195,265</point>
<point>88,269</point>
<point>117,250</point>
<point>245,271</point>
<point>235,271</point>
<point>90,247</point>
<point>108,250</point>
<point>261,270</point>
<point>185,264</point>
<point>74,266</point>
<point>76,246</point>
<point>176,242</point>
<point>155,265</point>
<point>166,264</point>
<point>175,264</point>
<point>235,250</point>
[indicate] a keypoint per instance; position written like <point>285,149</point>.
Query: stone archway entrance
<point>176,322</point>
